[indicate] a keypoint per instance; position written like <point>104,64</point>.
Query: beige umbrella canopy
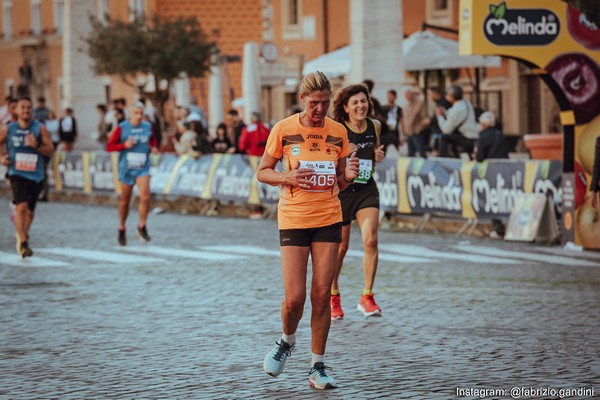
<point>423,50</point>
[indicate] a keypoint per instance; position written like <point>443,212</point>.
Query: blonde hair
<point>314,82</point>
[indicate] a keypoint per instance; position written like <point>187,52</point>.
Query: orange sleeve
<point>274,147</point>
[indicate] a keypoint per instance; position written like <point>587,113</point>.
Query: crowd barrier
<point>406,185</point>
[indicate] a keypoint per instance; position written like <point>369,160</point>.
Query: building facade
<point>307,29</point>
<point>40,49</point>
<point>40,58</point>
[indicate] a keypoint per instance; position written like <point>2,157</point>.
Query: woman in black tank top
<point>360,201</point>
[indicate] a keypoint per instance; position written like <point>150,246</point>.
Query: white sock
<point>289,339</point>
<point>317,358</point>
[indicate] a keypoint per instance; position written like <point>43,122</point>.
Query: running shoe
<point>122,237</point>
<point>318,378</point>
<point>336,307</point>
<point>25,250</point>
<point>143,234</point>
<point>276,358</point>
<point>368,307</point>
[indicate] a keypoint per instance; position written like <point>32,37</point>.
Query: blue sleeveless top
<point>25,161</point>
<point>137,157</point>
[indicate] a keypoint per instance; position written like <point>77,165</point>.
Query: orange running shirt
<point>317,148</point>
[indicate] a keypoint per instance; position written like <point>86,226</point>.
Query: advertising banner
<point>232,179</point>
<point>71,171</point>
<point>406,185</point>
<point>496,185</point>
<point>192,177</point>
<point>562,46</point>
<point>495,188</point>
<point>162,169</point>
<point>265,194</point>
<point>101,174</point>
<point>434,186</point>
<point>386,177</point>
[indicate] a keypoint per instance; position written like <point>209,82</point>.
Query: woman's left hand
<point>379,154</point>
<point>352,168</point>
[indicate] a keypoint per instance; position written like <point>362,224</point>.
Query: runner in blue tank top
<point>27,142</point>
<point>134,140</point>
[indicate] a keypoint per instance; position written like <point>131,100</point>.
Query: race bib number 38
<point>26,162</point>
<point>324,177</point>
<point>136,160</point>
<point>364,172</point>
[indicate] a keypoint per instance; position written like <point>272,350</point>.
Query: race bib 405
<point>324,178</point>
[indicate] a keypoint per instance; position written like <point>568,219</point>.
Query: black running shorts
<point>25,191</point>
<point>356,197</point>
<point>304,237</point>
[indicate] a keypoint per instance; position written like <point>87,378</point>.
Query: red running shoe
<point>336,307</point>
<point>368,307</point>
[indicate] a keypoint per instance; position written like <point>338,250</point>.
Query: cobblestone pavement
<point>192,315</point>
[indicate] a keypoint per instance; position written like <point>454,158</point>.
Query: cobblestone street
<point>192,314</point>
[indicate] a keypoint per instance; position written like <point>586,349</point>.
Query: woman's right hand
<point>353,147</point>
<point>299,177</point>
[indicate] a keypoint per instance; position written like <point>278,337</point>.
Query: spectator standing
<point>110,118</point>
<point>52,127</point>
<point>392,124</point>
<point>436,96</point>
<point>221,142</point>
<point>415,121</point>
<point>184,143</point>
<point>5,115</point>
<point>234,129</point>
<point>253,142</point>
<point>67,130</point>
<point>458,123</point>
<point>102,127</point>
<point>253,138</point>
<point>377,109</point>
<point>491,145</point>
<point>13,115</point>
<point>41,111</point>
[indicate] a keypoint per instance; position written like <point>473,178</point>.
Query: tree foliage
<point>165,48</point>
<point>591,9</point>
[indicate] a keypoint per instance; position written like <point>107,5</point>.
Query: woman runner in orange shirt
<point>312,149</point>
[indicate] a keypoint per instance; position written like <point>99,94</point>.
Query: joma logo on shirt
<point>314,137</point>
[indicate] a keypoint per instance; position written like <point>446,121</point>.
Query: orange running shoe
<point>336,307</point>
<point>368,307</point>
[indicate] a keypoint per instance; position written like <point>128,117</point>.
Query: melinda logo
<point>521,26</point>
